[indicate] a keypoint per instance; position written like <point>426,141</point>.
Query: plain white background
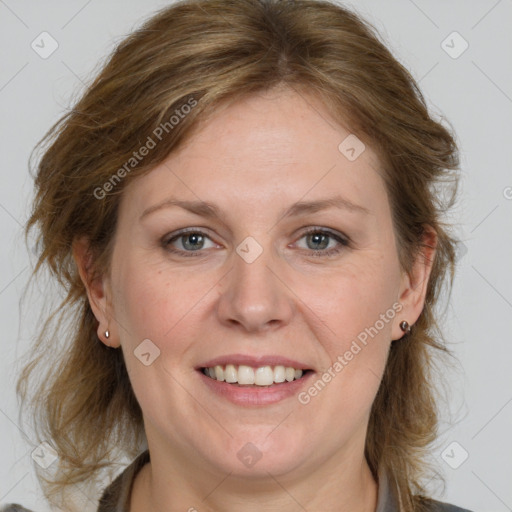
<point>472,90</point>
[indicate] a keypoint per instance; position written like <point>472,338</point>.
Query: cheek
<point>352,314</point>
<point>350,301</point>
<point>140,301</point>
<point>152,302</point>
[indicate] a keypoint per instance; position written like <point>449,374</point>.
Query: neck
<point>342,484</point>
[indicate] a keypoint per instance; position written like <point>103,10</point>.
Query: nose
<point>254,295</point>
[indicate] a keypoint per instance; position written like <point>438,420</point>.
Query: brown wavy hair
<point>208,53</point>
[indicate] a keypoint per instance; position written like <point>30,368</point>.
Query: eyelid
<point>185,231</point>
<point>176,235</point>
<point>321,229</point>
<point>343,241</point>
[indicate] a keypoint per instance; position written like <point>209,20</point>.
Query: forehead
<point>277,144</point>
<point>280,125</point>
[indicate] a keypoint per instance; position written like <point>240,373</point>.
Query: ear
<point>97,292</point>
<point>414,284</point>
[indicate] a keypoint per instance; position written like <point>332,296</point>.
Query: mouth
<point>249,381</point>
<point>261,376</point>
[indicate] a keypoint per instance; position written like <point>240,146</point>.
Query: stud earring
<point>107,334</point>
<point>404,325</point>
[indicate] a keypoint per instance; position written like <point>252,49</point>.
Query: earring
<point>404,325</point>
<point>107,334</point>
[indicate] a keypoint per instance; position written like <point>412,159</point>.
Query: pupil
<point>195,238</point>
<point>317,239</point>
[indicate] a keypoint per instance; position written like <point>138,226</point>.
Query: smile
<point>249,376</point>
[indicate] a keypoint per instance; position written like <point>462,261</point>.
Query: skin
<point>253,159</point>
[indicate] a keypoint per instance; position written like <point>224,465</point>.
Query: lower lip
<point>256,395</point>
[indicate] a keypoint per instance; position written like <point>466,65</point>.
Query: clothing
<point>116,497</point>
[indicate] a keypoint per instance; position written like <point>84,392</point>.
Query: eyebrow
<point>209,210</point>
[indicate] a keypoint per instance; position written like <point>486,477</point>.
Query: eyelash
<point>343,242</point>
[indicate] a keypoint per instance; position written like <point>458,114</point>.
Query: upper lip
<point>254,361</point>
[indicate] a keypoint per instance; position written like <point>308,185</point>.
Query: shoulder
<point>388,500</point>
<point>14,508</point>
<point>441,506</point>
<point>117,495</point>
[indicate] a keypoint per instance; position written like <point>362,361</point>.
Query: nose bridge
<point>253,295</point>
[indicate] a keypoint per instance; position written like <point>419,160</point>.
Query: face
<point>258,247</point>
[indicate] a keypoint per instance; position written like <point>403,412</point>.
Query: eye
<point>188,241</point>
<point>318,240</point>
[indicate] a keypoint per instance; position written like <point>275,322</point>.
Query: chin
<point>255,459</point>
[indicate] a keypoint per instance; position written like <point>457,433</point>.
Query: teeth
<point>231,374</point>
<point>219,373</point>
<point>246,375</point>
<point>279,374</point>
<point>264,376</point>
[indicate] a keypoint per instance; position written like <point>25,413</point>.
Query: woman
<point>241,211</point>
